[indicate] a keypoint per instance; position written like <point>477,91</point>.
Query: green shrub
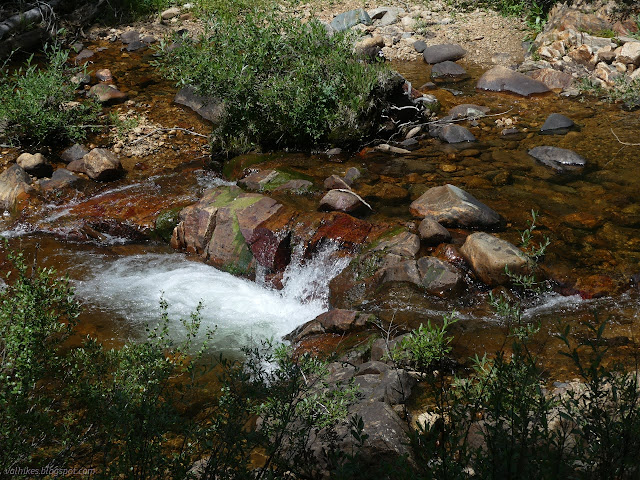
<point>38,103</point>
<point>283,83</point>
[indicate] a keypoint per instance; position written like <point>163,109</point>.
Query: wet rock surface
<point>502,79</point>
<point>489,255</point>
<point>560,159</point>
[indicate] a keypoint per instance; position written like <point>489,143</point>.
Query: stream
<point>591,217</point>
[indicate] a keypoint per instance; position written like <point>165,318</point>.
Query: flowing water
<point>591,217</point>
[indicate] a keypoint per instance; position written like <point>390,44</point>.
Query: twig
<point>624,143</point>
<point>168,130</point>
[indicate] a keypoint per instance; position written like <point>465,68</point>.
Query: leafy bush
<point>283,83</point>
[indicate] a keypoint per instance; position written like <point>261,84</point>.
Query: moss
<point>166,222</point>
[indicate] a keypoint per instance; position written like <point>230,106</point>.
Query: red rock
<point>553,79</point>
<point>342,228</point>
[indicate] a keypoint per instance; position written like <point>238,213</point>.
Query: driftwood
<point>34,15</point>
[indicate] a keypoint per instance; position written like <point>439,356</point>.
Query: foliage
<point>424,347</point>
<point>38,103</point>
<point>624,90</point>
<point>283,83</point>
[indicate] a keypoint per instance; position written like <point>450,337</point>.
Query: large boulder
<point>35,164</point>
<point>15,184</point>
<point>560,159</point>
<point>208,108</point>
<point>503,79</point>
<point>102,165</point>
<point>489,255</point>
<point>442,53</point>
<point>453,207</point>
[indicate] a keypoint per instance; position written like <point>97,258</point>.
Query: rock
<point>437,276</point>
<point>77,166</point>
<point>453,207</point>
<point>583,55</point>
<point>352,175</point>
<point>468,110</point>
<point>553,79</point>
<point>410,144</point>
<point>432,233</point>
<point>85,54</point>
<point>170,13</point>
<point>343,201</point>
<point>346,20</point>
<point>15,184</point>
<point>489,255</point>
<point>560,159</point>
<point>404,244</point>
<point>208,108</point>
<point>455,134</point>
<point>61,178</point>
<point>430,102</point>
<point>502,79</point>
<point>104,75</point>
<point>405,271</point>
<point>606,55</point>
<point>107,94</point>
<point>258,180</point>
<point>80,79</point>
<point>36,165</point>
<point>388,193</point>
<point>74,152</point>
<point>630,53</point>
<point>556,121</point>
<point>441,53</point>
<point>384,147</point>
<point>447,71</point>
<point>334,321</point>
<point>295,186</point>
<point>419,46</point>
<point>370,47</point>
<point>135,46</point>
<point>130,36</point>
<point>334,181</point>
<point>102,165</point>
<point>606,73</point>
<point>380,383</point>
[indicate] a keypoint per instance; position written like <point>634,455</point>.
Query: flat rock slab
<point>349,19</point>
<point>489,255</point>
<point>453,207</point>
<point>208,108</point>
<point>448,71</point>
<point>455,134</point>
<point>441,53</point>
<point>503,79</point>
<point>555,122</point>
<point>560,159</point>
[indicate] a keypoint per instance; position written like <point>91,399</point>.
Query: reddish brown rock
<point>15,184</point>
<point>553,79</point>
<point>334,321</point>
<point>344,229</point>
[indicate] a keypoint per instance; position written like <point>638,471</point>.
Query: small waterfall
<point>241,311</point>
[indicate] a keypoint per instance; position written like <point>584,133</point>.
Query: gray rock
<point>489,256</point>
<point>130,36</point>
<point>14,183</point>
<point>447,71</point>
<point>61,178</point>
<point>405,271</point>
<point>334,181</point>
<point>442,53</point>
<point>352,175</point>
<point>295,186</point>
<point>135,46</point>
<point>379,383</point>
<point>102,165</point>
<point>502,79</point>
<point>334,321</point>
<point>85,54</point>
<point>437,276</point>
<point>468,110</point>
<point>419,46</point>
<point>208,108</point>
<point>453,207</point>
<point>560,159</point>
<point>389,18</point>
<point>74,152</point>
<point>432,233</point>
<point>409,144</point>
<point>258,180</point>
<point>404,244</point>
<point>556,121</point>
<point>343,201</point>
<point>349,19</point>
<point>36,164</point>
<point>455,134</point>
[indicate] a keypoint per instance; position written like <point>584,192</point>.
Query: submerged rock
<point>61,178</point>
<point>447,71</point>
<point>489,256</point>
<point>437,276</point>
<point>334,321</point>
<point>468,110</point>
<point>560,159</point>
<point>556,121</point>
<point>453,207</point>
<point>503,79</point>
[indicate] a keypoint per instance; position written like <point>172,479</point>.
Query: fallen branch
<point>624,143</point>
<point>190,132</point>
<point>35,15</point>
